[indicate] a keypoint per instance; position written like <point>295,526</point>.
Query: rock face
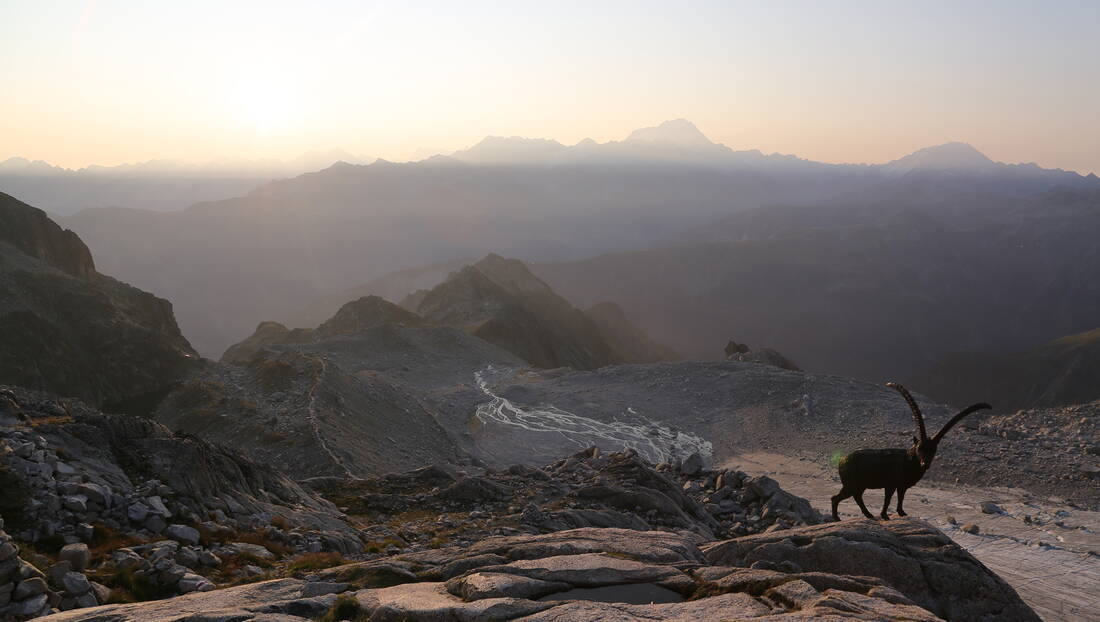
<point>621,575</point>
<point>907,555</point>
<point>502,302</point>
<point>68,467</point>
<point>67,329</point>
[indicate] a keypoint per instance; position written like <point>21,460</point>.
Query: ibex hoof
<point>900,513</point>
<point>885,516</point>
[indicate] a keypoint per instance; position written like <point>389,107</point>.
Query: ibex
<point>892,469</point>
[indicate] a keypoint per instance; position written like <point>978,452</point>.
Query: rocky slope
<point>502,302</point>
<point>301,409</point>
<point>860,570</point>
<point>67,329</point>
<point>118,503</point>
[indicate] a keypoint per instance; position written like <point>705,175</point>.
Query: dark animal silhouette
<point>735,348</point>
<point>892,469</point>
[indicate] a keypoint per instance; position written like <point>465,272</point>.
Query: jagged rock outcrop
<point>67,329</point>
<point>352,318</point>
<point>587,489</point>
<point>615,574</point>
<point>502,302</point>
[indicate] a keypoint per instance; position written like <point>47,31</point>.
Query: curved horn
<point>917,416</point>
<point>957,418</point>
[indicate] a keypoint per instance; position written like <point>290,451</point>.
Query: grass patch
<point>380,546</point>
<point>254,537</point>
<point>346,607</point>
<point>314,561</point>
<point>106,539</point>
<point>128,587</point>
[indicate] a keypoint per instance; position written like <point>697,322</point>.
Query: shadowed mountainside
<point>502,302</point>
<point>861,291</point>
<point>67,329</point>
<point>1058,373</point>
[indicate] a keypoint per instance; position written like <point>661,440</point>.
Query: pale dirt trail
<point>1049,565</point>
<point>311,417</point>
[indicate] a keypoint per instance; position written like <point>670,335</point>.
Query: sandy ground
<point>1052,562</point>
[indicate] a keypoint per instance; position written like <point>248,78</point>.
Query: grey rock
<point>77,555</point>
<point>692,465</point>
<point>206,558</point>
<point>194,583</point>
<point>32,606</point>
<point>75,503</point>
<point>137,512</point>
<point>88,599</point>
<point>182,534</point>
<point>28,588</point>
<point>988,507</point>
<point>102,592</point>
<point>76,584</point>
<point>57,572</point>
<point>481,585</point>
<point>320,588</point>
<point>8,550</point>
<point>252,549</point>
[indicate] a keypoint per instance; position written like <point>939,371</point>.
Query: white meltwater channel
<point>652,441</point>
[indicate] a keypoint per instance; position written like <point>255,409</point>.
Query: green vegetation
<point>346,607</point>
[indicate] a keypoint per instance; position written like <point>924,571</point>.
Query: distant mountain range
<point>230,264</point>
<point>165,185</point>
<point>155,184</point>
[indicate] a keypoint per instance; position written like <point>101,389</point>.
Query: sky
<point>85,82</point>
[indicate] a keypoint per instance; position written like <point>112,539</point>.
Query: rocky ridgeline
<point>430,506</point>
<point>901,570</point>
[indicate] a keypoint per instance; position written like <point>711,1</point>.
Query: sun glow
<point>263,106</point>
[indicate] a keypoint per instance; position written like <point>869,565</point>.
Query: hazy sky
<point>110,82</point>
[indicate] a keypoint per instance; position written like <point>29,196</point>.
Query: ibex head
<point>924,448</point>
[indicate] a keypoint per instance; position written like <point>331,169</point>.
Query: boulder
<point>76,584</point>
<point>182,534</point>
<point>908,555</point>
<point>77,555</point>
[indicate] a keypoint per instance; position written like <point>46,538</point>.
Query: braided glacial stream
<point>652,441</point>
